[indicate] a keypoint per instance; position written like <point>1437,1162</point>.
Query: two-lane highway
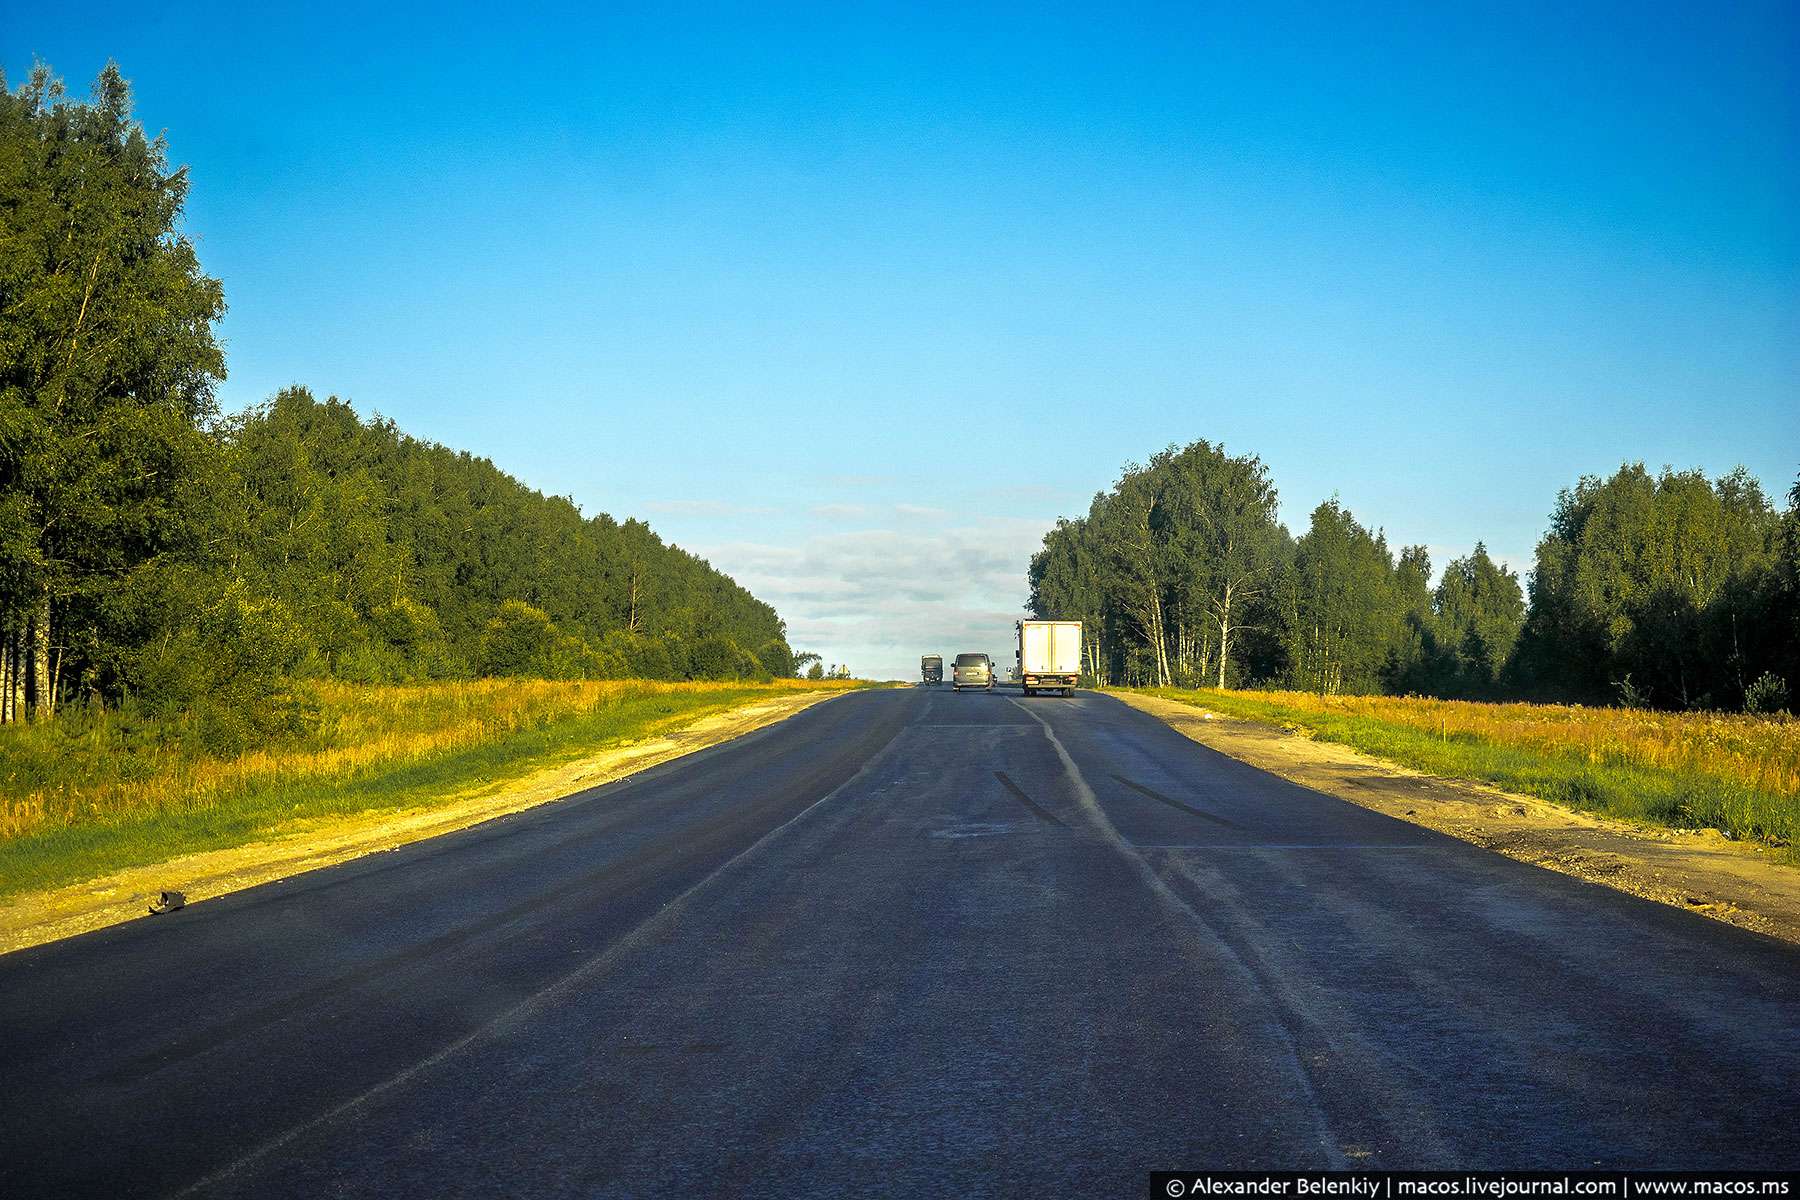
<point>907,942</point>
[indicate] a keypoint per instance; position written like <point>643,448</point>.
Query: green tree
<point>1652,586</point>
<point>1166,570</point>
<point>318,531</point>
<point>519,640</point>
<point>1135,567</point>
<point>1065,586</point>
<point>1341,605</point>
<point>1217,515</point>
<point>1479,610</point>
<point>223,662</point>
<point>108,364</point>
<point>342,518</point>
<point>1781,601</point>
<point>776,658</point>
<point>714,657</point>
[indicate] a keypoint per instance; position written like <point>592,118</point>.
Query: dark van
<point>972,671</point>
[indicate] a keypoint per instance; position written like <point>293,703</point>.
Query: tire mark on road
<point>1186,808</point>
<point>1027,801</point>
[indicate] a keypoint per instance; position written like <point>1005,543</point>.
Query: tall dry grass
<point>107,767</point>
<point>1740,774</point>
<point>1759,752</point>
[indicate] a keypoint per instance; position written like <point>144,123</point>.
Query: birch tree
<point>1220,515</point>
<point>108,360</point>
<point>1135,570</point>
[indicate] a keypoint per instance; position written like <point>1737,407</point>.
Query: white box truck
<point>1049,655</point>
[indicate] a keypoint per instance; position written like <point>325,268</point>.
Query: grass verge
<point>1676,770</point>
<point>85,798</point>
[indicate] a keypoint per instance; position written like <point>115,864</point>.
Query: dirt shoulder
<point>36,917</point>
<point>1701,871</point>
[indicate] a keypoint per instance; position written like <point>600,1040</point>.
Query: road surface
<point>908,942</point>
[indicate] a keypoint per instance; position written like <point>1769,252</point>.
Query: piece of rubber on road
<point>167,902</point>
<point>1027,801</point>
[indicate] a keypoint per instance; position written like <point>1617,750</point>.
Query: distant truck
<point>931,668</point>
<point>1049,656</point>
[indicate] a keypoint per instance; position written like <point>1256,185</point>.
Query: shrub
<point>224,665</point>
<point>520,640</point>
<point>776,658</point>
<point>406,624</point>
<point>1768,694</point>
<point>632,656</point>
<point>714,657</point>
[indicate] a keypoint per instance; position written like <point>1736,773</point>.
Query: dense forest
<point>1670,590</point>
<point>152,548</point>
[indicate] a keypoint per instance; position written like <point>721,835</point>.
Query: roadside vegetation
<point>207,566</point>
<point>1666,590</point>
<point>213,625</point>
<point>97,790</point>
<point>1733,772</point>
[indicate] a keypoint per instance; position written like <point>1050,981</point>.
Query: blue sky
<point>855,300</point>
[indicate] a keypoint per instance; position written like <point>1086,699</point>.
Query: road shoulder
<point>1701,870</point>
<point>32,918</point>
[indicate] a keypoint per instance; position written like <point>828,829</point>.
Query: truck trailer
<point>1049,656</point>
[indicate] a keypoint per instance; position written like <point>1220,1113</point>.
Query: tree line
<point>1670,590</point>
<point>151,547</point>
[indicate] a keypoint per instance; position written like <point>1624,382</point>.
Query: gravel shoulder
<point>33,918</point>
<point>1698,870</point>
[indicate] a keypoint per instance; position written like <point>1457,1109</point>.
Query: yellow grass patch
<point>361,728</point>
<point>1759,752</point>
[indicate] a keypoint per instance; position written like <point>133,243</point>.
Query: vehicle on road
<point>931,668</point>
<point>972,671</point>
<point>1049,656</point>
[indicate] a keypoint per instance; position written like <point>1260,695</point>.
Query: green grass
<point>1643,794</point>
<point>267,805</point>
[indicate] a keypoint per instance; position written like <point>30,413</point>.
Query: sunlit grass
<point>1728,771</point>
<point>94,792</point>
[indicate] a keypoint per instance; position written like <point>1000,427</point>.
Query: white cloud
<point>879,598</point>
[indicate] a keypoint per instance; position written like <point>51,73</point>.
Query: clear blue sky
<point>855,300</point>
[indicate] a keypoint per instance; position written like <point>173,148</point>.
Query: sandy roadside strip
<point>36,917</point>
<point>1701,871</point>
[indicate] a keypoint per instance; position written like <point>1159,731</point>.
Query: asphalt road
<point>905,943</point>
